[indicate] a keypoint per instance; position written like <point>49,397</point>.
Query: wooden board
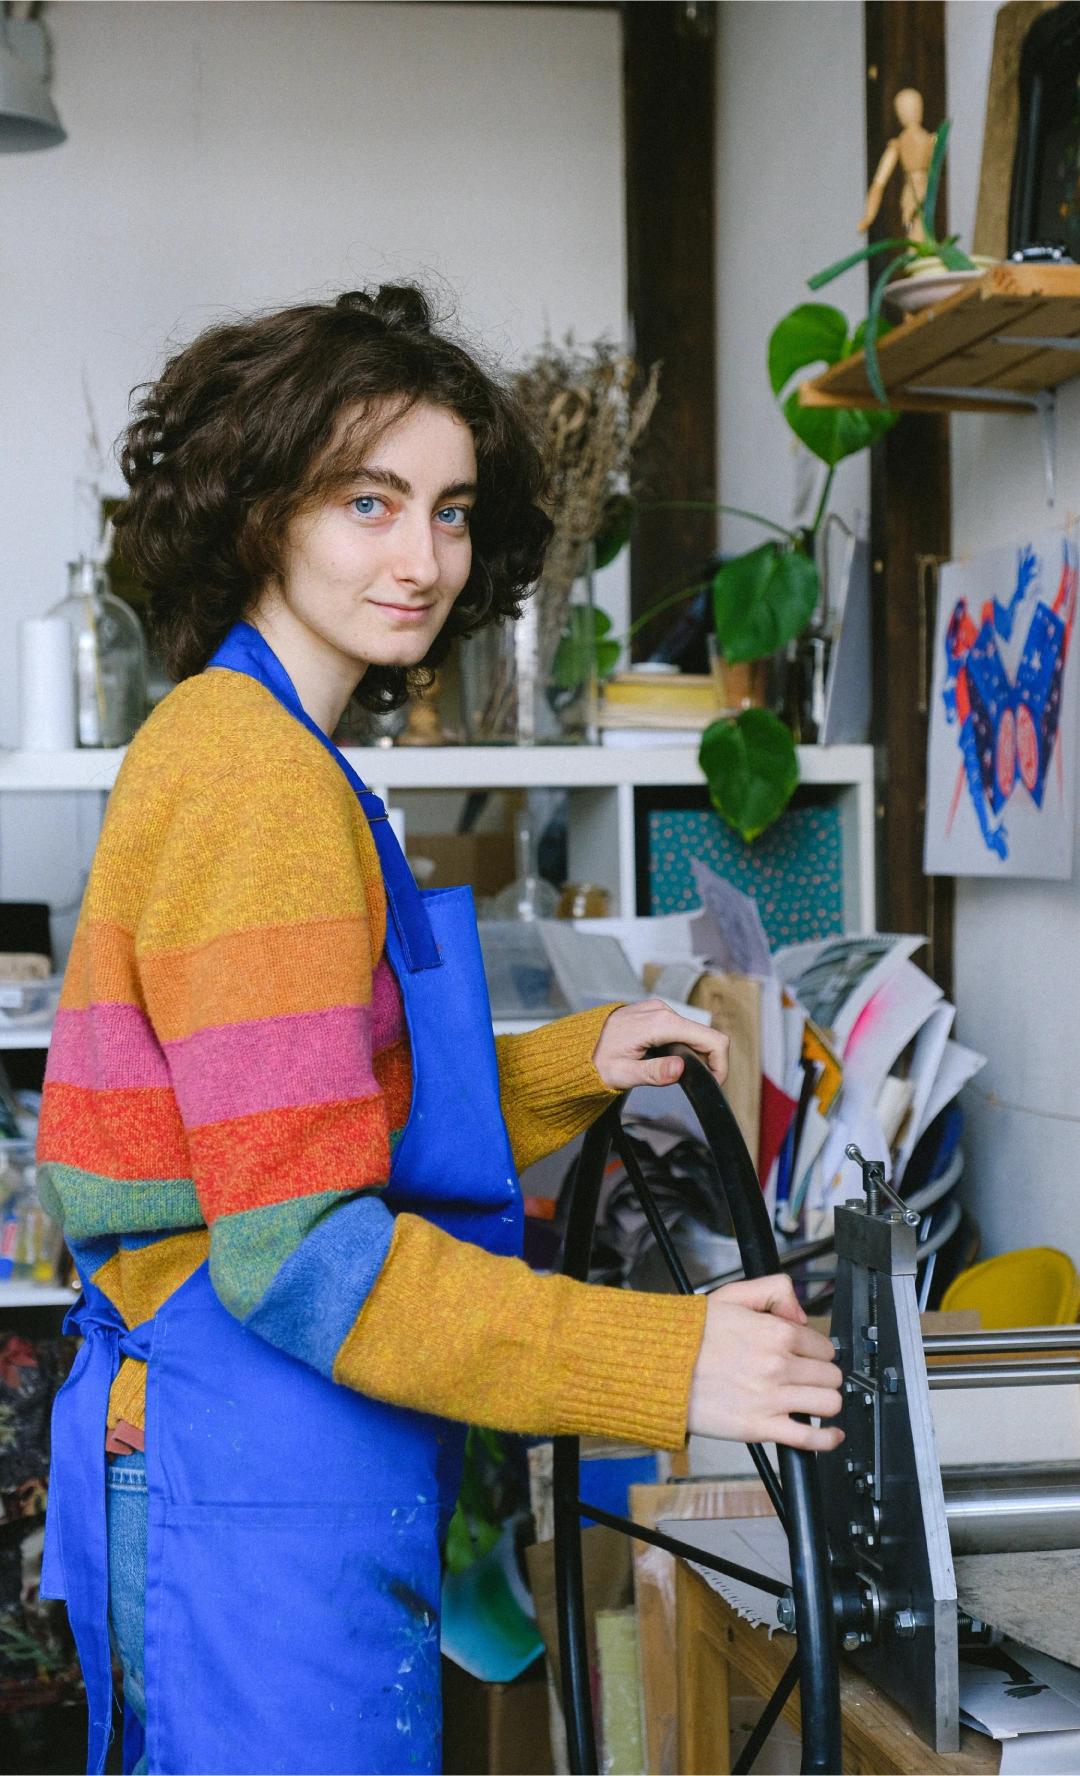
<point>712,1640</point>
<point>654,1593</point>
<point>963,344</point>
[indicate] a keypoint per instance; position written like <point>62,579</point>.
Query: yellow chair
<point>1034,1287</point>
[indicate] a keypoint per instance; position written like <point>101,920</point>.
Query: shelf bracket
<point>1041,401</point>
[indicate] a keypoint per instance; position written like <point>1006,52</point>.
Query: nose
<point>414,561</point>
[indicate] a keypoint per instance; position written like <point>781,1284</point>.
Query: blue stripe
<point>312,1303</point>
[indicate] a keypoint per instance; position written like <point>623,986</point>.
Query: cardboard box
<point>496,1729</point>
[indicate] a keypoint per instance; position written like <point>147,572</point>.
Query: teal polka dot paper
<point>794,870</point>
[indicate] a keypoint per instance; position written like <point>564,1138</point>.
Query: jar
<point>30,1240</point>
<point>108,655</point>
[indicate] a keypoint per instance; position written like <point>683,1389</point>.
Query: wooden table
<point>713,1642</point>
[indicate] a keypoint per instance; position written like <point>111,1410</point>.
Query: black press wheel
<point>795,1493</point>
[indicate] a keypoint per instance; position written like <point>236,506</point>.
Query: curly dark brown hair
<point>241,431</point>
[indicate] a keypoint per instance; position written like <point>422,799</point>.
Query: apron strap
<point>245,650</point>
<point>76,1511</point>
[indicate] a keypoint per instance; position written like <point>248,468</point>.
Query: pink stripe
<point>106,1048</point>
<point>312,1057</point>
<point>387,1009</point>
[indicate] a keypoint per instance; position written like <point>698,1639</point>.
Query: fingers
<point>816,1438</point>
<point>772,1295</point>
<point>664,1071</point>
<point>632,1030</point>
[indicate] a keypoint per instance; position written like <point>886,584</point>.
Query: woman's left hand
<point>630,1032</point>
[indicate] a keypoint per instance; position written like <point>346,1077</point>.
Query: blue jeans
<point>126,1502</point>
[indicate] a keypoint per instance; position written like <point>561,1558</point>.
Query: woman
<point>276,1129</point>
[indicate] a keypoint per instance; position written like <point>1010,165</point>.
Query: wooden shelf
<point>994,347</point>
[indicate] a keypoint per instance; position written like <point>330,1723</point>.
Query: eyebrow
<point>397,484</point>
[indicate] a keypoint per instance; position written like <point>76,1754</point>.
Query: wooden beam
<point>910,521</point>
<point>669,87</point>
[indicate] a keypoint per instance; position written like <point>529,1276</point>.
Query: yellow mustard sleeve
<point>549,1088</point>
<point>450,1329</point>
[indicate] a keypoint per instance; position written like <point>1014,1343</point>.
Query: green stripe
<point>88,1204</point>
<point>248,1249</point>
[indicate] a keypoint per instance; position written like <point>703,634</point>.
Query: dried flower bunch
<point>582,402</point>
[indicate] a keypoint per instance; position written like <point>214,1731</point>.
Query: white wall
<point>791,179</point>
<point>1017,943</point>
<point>791,183</point>
<point>222,158</point>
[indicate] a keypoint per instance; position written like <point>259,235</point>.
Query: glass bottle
<point>109,657</point>
<point>528,896</point>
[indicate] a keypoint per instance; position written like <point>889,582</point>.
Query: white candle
<point>46,685</point>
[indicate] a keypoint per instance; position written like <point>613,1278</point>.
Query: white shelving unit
<point>16,1294</point>
<point>600,780</point>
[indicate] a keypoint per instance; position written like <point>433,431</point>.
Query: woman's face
<point>373,572</point>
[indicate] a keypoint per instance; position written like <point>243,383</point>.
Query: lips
<point>405,613</point>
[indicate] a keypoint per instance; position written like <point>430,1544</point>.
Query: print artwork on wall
<point>1001,786</point>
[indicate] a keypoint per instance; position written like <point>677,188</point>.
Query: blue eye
<point>366,505</point>
<point>458,516</point>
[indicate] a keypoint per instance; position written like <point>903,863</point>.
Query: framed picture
<point>1044,205</point>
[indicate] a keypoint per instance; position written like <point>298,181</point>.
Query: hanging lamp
<point>28,117</point>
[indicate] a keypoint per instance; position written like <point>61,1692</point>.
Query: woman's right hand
<point>760,1362</point>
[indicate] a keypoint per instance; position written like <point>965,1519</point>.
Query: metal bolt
<point>853,1467</point>
<point>851,1642</point>
<point>855,1530</point>
<point>904,1623</point>
<point>785,1612</point>
<point>892,1381</point>
<point>868,1399</point>
<point>871,1540</point>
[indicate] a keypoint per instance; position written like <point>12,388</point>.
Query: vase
<point>108,658</point>
<point>534,682</point>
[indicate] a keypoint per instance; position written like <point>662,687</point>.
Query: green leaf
<point>833,271</point>
<point>953,259</point>
<point>814,333</point>
<point>751,768</point>
<point>933,179</point>
<point>808,335</point>
<point>833,433</point>
<point>582,649</point>
<point>468,1541</point>
<point>615,526</point>
<point>873,327</point>
<point>762,600</point>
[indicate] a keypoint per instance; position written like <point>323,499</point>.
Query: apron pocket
<point>293,1638</point>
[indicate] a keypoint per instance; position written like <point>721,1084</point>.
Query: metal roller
<point>1013,1510</point>
<point>1036,1372</point>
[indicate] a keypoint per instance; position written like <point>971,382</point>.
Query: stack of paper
<point>839,1041</point>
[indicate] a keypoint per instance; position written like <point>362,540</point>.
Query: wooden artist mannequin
<point>913,148</point>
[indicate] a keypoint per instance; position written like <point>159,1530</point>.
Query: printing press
<point>872,1527</point>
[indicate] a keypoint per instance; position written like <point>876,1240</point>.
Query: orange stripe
<point>265,972</point>
<point>393,1070</point>
<point>279,1155</point>
<point>123,1134</point>
<point>101,968</point>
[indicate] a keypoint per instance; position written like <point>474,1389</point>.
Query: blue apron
<point>292,1585</point>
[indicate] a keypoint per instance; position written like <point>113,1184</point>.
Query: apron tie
<point>76,1511</point>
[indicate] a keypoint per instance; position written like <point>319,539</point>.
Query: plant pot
<point>747,685</point>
